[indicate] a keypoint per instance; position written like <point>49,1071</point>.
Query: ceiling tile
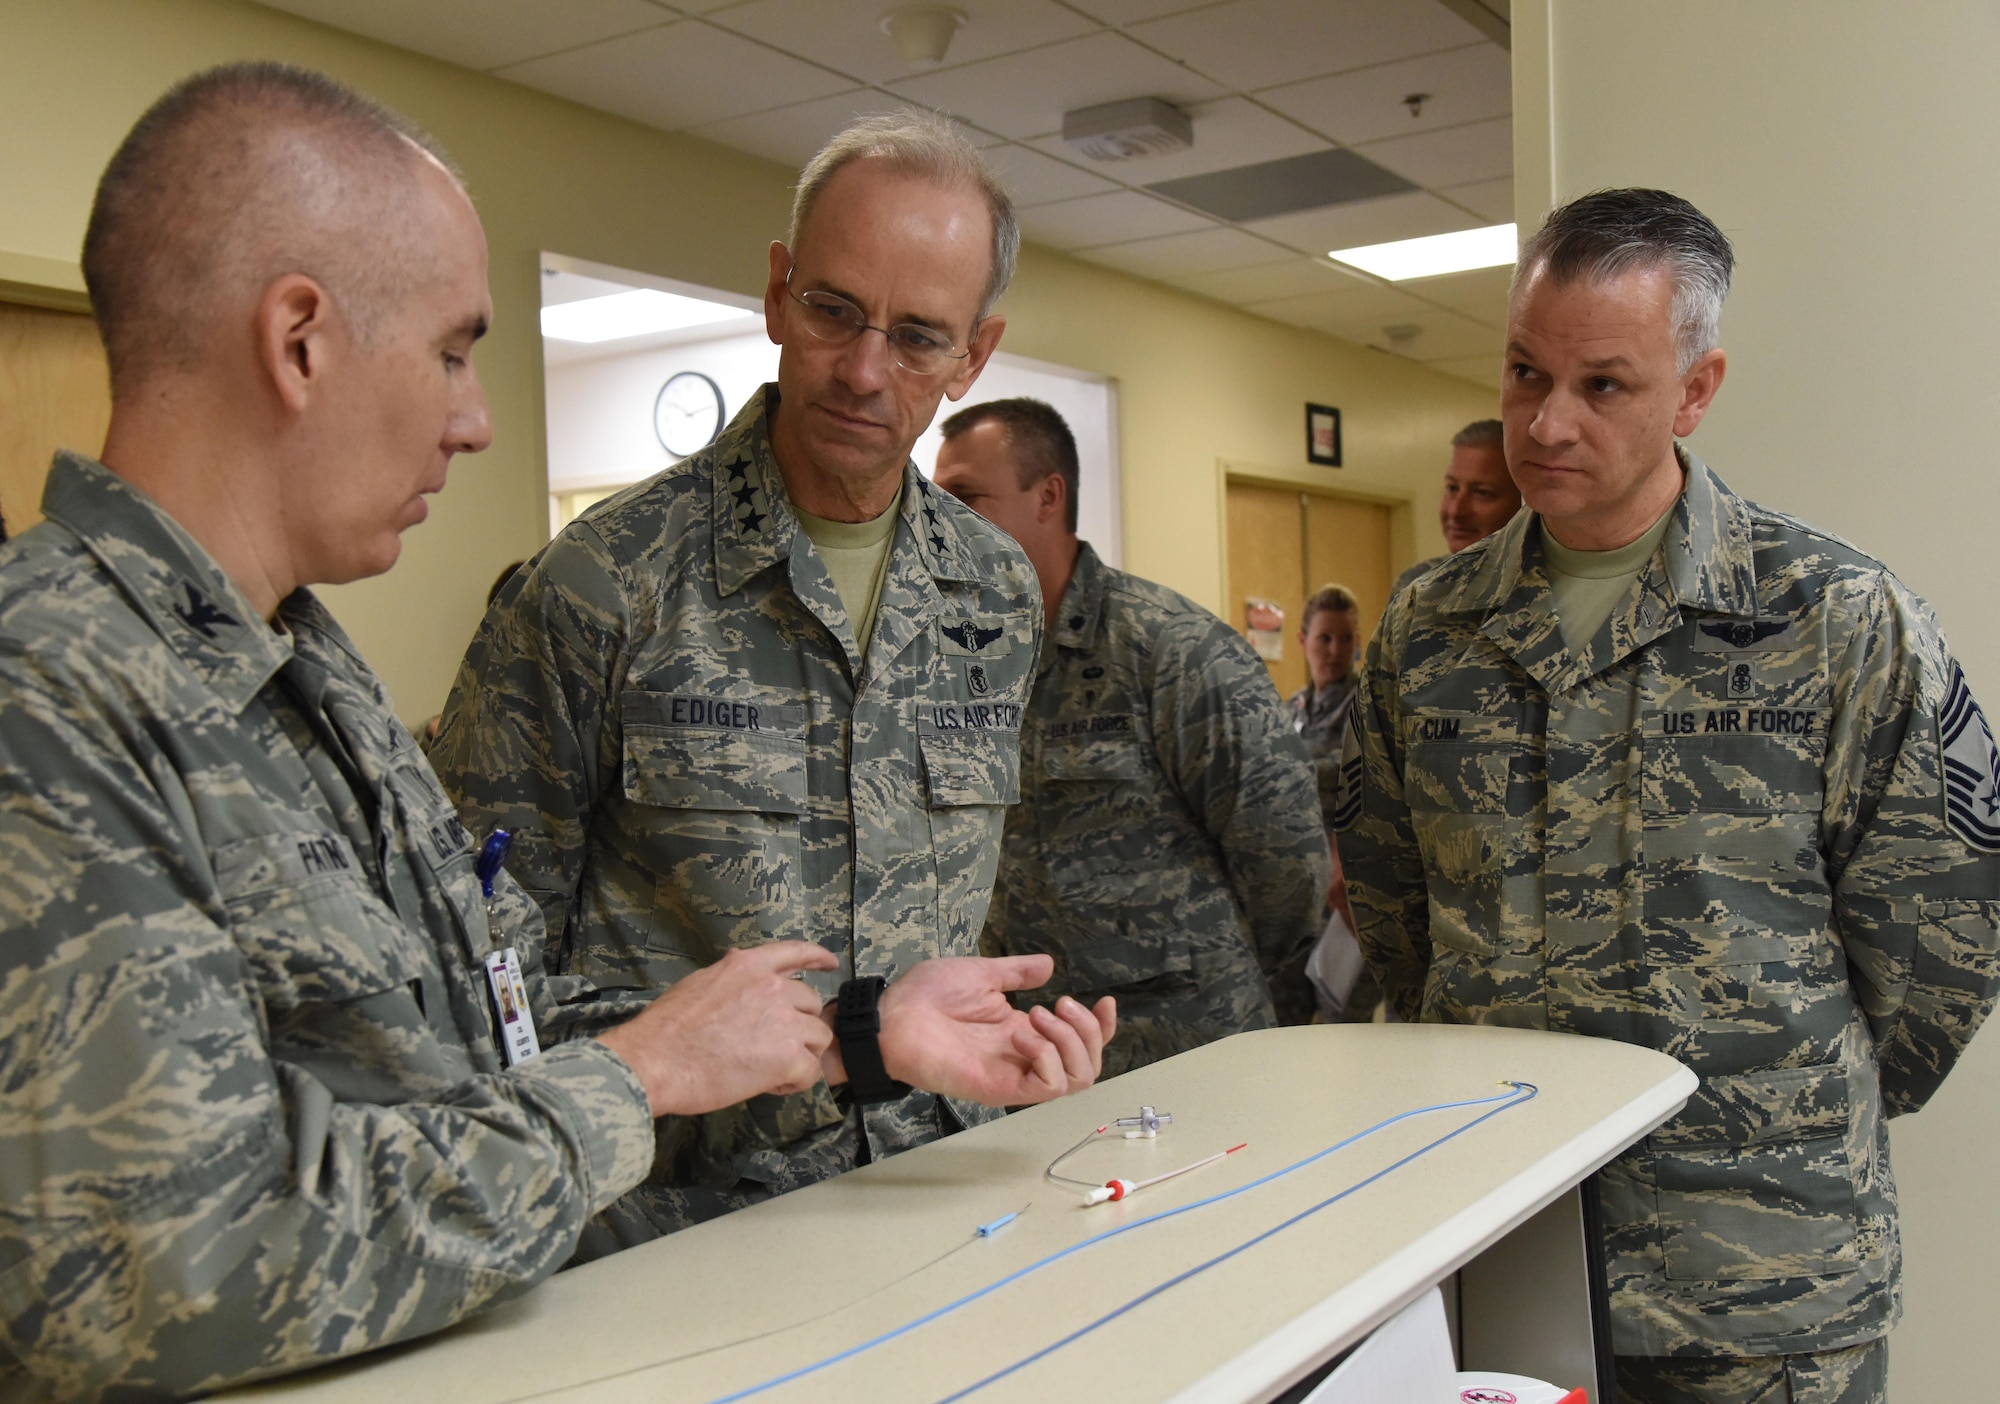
<point>1441,335</point>
<point>482,33</point>
<point>1180,255</point>
<point>1034,179</point>
<point>1105,219</point>
<point>1465,85</point>
<point>1229,132</point>
<point>847,34</point>
<point>688,74</point>
<point>1297,277</point>
<point>1490,199</point>
<point>1358,304</point>
<point>1481,370</point>
<point>1253,44</point>
<point>1480,294</point>
<point>791,135</point>
<point>1454,156</point>
<point>1364,222</point>
<point>1025,95</point>
<point>1132,11</point>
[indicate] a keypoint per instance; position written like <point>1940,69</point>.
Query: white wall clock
<point>688,413</point>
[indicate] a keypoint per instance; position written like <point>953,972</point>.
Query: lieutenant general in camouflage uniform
<point>776,690</point>
<point>1657,764</point>
<point>1168,847</point>
<point>253,1112</point>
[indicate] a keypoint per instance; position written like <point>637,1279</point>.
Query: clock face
<point>688,413</point>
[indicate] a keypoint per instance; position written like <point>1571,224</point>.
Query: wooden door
<point>54,393</point>
<point>1267,562</point>
<point>1347,543</point>
<point>1285,544</point>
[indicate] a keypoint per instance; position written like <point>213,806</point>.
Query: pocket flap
<point>311,929</point>
<point>1758,1108</point>
<point>970,769</point>
<point>709,769</point>
<point>1105,758</point>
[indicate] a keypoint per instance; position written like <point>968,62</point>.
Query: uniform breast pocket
<point>970,779</point>
<point>1733,872</point>
<point>1462,782</point>
<point>1757,1178</point>
<point>348,992</point>
<point>718,828</point>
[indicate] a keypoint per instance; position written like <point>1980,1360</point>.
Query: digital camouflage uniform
<point>251,1113</point>
<point>1751,826</point>
<point>667,711</point>
<point>1324,720</point>
<point>1167,848</point>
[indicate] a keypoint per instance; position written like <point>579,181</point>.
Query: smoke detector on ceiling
<point>1119,131</point>
<point>922,32</point>
<point>1402,336</point>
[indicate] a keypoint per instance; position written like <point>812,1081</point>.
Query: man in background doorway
<point>1323,715</point>
<point>1479,494</point>
<point>1168,848</point>
<point>773,692</point>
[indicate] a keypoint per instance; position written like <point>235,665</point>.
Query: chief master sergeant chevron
<point>775,691</point>
<point>1657,764</point>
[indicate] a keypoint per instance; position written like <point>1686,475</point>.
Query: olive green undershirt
<point>1586,586</point>
<point>857,557</point>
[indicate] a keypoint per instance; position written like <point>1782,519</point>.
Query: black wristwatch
<point>857,1026</point>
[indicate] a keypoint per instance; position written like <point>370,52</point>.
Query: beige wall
<point>1849,151</point>
<point>1199,381</point>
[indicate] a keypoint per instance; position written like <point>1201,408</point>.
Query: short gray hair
<point>1608,233</point>
<point>923,144</point>
<point>1481,433</point>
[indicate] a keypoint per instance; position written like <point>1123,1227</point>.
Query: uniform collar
<point>754,521</point>
<point>1704,563</point>
<point>175,585</point>
<point>1082,605</point>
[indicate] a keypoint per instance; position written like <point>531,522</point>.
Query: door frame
<point>1401,505</point>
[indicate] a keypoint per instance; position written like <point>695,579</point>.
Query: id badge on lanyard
<point>514,1019</point>
<point>510,1007</point>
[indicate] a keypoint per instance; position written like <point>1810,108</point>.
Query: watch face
<point>688,413</point>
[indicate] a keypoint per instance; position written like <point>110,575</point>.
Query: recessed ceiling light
<point>637,313</point>
<point>1492,247</point>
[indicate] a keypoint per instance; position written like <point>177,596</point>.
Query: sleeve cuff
<point>610,1120</point>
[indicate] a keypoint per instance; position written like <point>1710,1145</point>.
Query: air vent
<point>1293,183</point>
<point>1118,131</point>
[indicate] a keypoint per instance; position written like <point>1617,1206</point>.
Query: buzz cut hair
<point>1038,437</point>
<point>1608,233</point>
<point>924,144</point>
<point>236,175</point>
<point>1329,599</point>
<point>1481,433</point>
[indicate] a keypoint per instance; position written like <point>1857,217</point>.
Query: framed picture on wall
<point>1322,435</point>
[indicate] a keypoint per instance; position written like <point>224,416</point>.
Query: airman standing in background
<point>1167,848</point>
<point>1479,495</point>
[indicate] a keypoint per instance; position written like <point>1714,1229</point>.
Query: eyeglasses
<point>833,319</point>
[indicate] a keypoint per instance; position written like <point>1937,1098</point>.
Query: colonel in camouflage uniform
<point>253,1110</point>
<point>1167,849</point>
<point>1728,798</point>
<point>700,732</point>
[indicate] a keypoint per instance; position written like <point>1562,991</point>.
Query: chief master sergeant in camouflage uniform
<point>252,1111</point>
<point>774,691</point>
<point>1168,846</point>
<point>1657,764</point>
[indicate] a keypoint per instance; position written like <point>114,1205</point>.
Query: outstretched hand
<point>948,1027</point>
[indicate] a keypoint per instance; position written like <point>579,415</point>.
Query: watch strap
<point>857,1027</point>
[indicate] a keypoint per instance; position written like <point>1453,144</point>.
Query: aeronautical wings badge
<point>969,636</point>
<point>1971,768</point>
